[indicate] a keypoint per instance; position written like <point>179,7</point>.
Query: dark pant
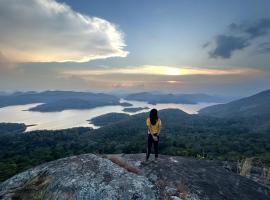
<point>150,142</point>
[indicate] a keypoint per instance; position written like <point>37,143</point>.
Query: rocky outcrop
<point>125,176</point>
<point>78,177</point>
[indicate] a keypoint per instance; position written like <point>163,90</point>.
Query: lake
<point>78,118</point>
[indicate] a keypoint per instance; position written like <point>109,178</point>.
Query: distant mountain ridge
<point>254,111</point>
<point>255,105</point>
<point>63,100</point>
<point>176,98</point>
<point>59,100</point>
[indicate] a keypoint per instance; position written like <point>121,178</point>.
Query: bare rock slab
<point>127,176</point>
<point>79,177</point>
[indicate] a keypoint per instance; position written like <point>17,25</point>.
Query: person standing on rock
<point>154,125</point>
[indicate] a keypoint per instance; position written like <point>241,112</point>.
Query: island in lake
<point>136,109</point>
<point>52,101</point>
<point>109,118</point>
<point>126,104</point>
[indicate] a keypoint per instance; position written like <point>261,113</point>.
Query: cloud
<point>263,48</point>
<point>6,65</point>
<point>46,30</point>
<point>206,44</point>
<point>14,76</point>
<point>226,45</point>
<point>239,37</point>
<point>254,30</point>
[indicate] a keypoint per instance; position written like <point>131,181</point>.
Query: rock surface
<point>125,176</point>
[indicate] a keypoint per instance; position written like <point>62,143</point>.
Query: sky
<point>179,46</point>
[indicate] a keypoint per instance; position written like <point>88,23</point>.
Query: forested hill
<point>253,106</point>
<point>253,111</point>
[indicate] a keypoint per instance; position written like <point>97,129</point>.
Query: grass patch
<point>124,164</point>
<point>182,189</point>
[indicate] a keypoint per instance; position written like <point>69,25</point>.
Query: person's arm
<point>159,127</point>
<point>148,125</point>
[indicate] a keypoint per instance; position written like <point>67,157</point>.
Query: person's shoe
<point>156,160</point>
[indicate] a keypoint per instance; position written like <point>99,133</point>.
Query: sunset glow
<point>164,71</point>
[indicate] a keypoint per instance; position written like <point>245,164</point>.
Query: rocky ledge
<point>125,176</point>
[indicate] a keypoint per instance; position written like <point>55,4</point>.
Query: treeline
<point>8,128</point>
<point>20,151</point>
<point>182,134</point>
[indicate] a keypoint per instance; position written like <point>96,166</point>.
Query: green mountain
<point>254,106</point>
<point>254,111</point>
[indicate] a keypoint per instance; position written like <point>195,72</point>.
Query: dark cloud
<point>225,45</point>
<point>263,48</point>
<point>239,37</point>
<point>205,45</point>
<point>257,29</point>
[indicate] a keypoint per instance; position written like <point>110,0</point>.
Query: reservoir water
<point>79,118</point>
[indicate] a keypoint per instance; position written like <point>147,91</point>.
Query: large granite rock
<point>79,177</point>
<point>125,176</point>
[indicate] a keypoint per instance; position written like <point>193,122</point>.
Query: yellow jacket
<point>153,129</point>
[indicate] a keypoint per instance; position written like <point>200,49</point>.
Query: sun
<point>160,70</point>
<point>172,71</point>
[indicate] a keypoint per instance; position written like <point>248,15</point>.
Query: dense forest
<point>182,134</point>
<point>109,118</point>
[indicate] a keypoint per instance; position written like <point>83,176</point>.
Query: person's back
<point>153,129</point>
<point>154,126</point>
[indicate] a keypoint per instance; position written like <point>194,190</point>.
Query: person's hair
<point>153,116</point>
